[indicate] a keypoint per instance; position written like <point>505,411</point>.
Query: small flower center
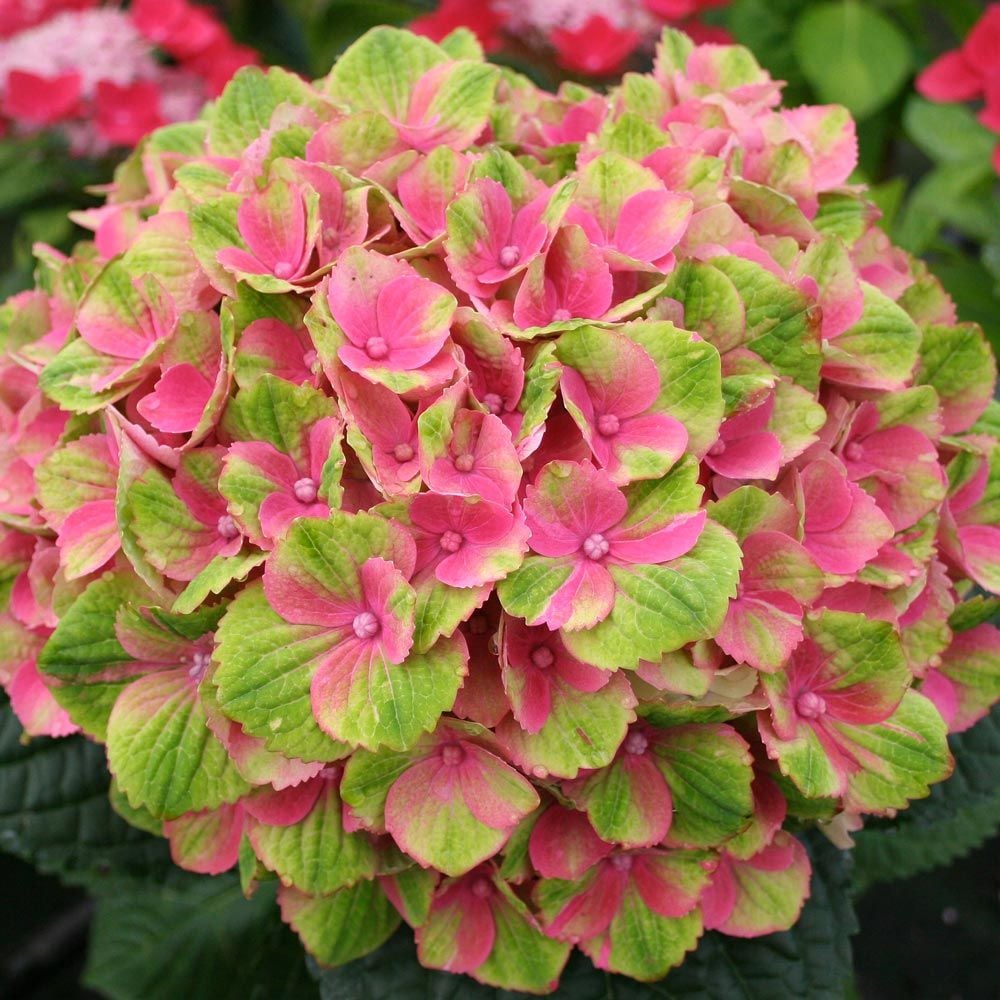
<point>595,546</point>
<point>452,754</point>
<point>376,347</point>
<point>226,526</point>
<point>510,255</point>
<point>283,269</point>
<point>311,360</point>
<point>853,452</point>
<point>493,402</point>
<point>305,490</point>
<point>402,453</point>
<point>366,625</point>
<point>464,463</point>
<point>635,742</point>
<point>810,705</point>
<point>561,316</point>
<point>451,541</point>
<point>717,449</point>
<point>623,862</point>
<point>608,425</point>
<point>199,664</point>
<point>542,657</point>
<point>934,662</point>
<point>482,888</point>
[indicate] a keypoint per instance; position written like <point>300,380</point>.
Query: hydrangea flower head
<point>536,507</point>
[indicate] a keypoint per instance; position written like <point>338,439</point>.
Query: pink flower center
<point>542,657</point>
<point>595,546</point>
<point>717,449</point>
<point>561,315</point>
<point>608,425</point>
<point>402,453</point>
<point>311,360</point>
<point>853,452</point>
<point>465,463</point>
<point>305,490</point>
<point>452,754</point>
<point>482,888</point>
<point>283,269</point>
<point>451,541</point>
<point>810,705</point>
<point>366,625</point>
<point>199,664</point>
<point>494,403</point>
<point>623,862</point>
<point>376,347</point>
<point>635,742</point>
<point>226,526</point>
<point>509,256</point>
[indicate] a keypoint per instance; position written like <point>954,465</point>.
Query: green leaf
<point>523,958</point>
<point>244,110</point>
<point>909,751</point>
<point>215,577</point>
<point>690,378</point>
<point>947,132</point>
<point>83,659</point>
<point>56,814</point>
<point>661,608</point>
<point>343,926</point>
<point>161,751</point>
<point>958,815</point>
<point>707,768</point>
<point>583,730</point>
<point>879,351</point>
<point>264,675</point>
<point>276,411</point>
<point>367,779</point>
<point>852,54</point>
<point>782,324</point>
<point>316,855</point>
<point>392,704</point>
<point>197,938</point>
<point>974,612</point>
<point>958,363</point>
<point>378,72</point>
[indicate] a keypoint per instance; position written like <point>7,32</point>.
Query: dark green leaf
<point>959,814</point>
<point>196,938</point>
<point>55,812</point>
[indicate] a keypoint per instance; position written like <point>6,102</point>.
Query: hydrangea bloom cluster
<point>971,73</point>
<point>511,513</point>
<point>96,72</point>
<point>590,37</point>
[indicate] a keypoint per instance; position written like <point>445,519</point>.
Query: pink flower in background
<point>95,70</point>
<point>589,37</point>
<point>970,72</point>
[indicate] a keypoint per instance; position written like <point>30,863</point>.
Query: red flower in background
<point>970,72</point>
<point>480,18</point>
<point>588,37</point>
<point>97,70</point>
